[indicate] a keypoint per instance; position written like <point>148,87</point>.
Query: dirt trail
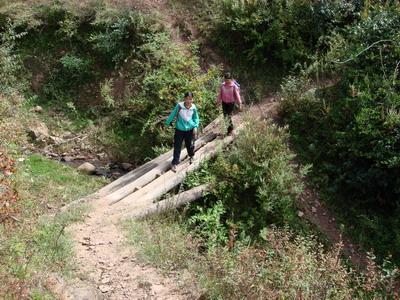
<point>111,266</point>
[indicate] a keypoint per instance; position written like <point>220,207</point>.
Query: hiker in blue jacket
<point>185,129</point>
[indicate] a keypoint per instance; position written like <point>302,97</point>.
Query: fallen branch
<point>364,50</point>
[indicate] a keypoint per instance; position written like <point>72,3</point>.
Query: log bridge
<point>135,194</point>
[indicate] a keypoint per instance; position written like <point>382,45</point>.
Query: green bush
<point>282,266</point>
<point>256,183</point>
<point>10,61</point>
<point>276,32</point>
<point>76,69</point>
<point>361,110</point>
<point>257,179</point>
<point>208,224</point>
<point>349,130</point>
<point>114,66</point>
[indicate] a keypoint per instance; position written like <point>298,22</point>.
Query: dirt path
<point>111,266</point>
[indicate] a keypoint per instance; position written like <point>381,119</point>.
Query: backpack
<point>235,83</point>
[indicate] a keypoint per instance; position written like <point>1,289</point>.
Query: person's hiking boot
<point>173,168</point>
<point>190,160</point>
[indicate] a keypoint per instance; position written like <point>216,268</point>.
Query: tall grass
<point>284,266</point>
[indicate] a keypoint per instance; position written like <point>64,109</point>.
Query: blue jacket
<point>187,118</point>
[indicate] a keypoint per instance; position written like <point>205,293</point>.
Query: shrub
<point>255,184</point>
<point>281,32</point>
<point>349,130</point>
<point>282,266</point>
<point>10,62</point>
<point>257,179</point>
<point>361,111</point>
<point>115,66</point>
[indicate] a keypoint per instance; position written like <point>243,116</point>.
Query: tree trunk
<point>143,169</point>
<point>152,174</point>
<point>169,180</point>
<point>172,202</point>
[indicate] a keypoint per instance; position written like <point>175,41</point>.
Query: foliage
<point>208,224</point>
<point>276,32</point>
<point>60,182</point>
<point>10,62</point>
<point>350,130</point>
<point>8,196</point>
<point>257,180</point>
<point>34,249</point>
<point>283,266</point>
<point>116,66</point>
<point>255,184</point>
<point>76,69</point>
<point>12,120</point>
<point>36,245</point>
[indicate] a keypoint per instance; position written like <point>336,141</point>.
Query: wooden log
<point>152,174</point>
<point>133,175</point>
<point>143,169</point>
<point>213,127</point>
<point>169,180</point>
<point>172,202</point>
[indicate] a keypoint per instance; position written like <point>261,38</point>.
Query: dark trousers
<point>179,137</point>
<point>227,109</point>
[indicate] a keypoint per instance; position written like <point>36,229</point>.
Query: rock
<point>105,280</point>
<point>38,132</point>
<point>67,134</point>
<point>126,166</point>
<point>38,109</point>
<point>87,168</point>
<point>300,214</point>
<point>67,158</point>
<point>146,285</point>
<point>7,173</point>
<point>116,174</point>
<point>313,209</point>
<point>101,172</point>
<point>84,293</point>
<point>51,154</point>
<point>101,156</point>
<point>104,288</point>
<point>56,140</point>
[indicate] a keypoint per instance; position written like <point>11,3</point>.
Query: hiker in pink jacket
<point>229,95</point>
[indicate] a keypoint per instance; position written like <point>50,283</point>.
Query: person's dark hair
<point>188,94</point>
<point>227,75</point>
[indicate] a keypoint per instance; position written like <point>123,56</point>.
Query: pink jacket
<point>229,94</point>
